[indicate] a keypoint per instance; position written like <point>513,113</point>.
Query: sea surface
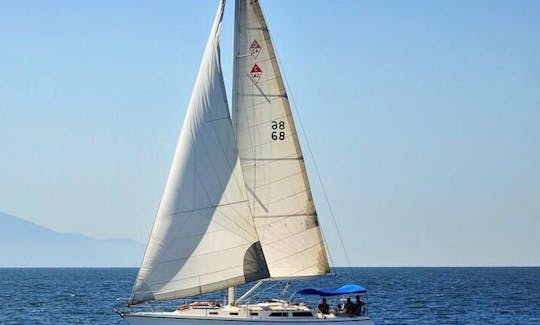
<point>395,295</point>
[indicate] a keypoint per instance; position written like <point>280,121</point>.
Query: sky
<point>423,118</point>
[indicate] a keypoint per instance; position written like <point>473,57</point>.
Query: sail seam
<point>181,293</point>
<point>213,219</point>
<point>252,192</point>
<point>273,159</point>
<point>237,183</point>
<point>203,254</point>
<point>298,252</point>
<point>275,181</point>
<point>217,119</point>
<point>216,173</point>
<point>253,126</point>
<point>268,96</point>
<point>287,197</point>
<point>246,230</point>
<point>232,176</point>
<point>208,232</point>
<point>287,215</point>
<point>259,88</point>
<point>211,207</point>
<point>263,144</point>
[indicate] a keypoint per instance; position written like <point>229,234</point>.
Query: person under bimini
<point>323,307</point>
<point>350,308</point>
<point>359,306</point>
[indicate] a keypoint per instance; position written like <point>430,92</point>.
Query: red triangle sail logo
<point>256,73</point>
<point>255,49</point>
<point>255,45</point>
<point>256,68</point>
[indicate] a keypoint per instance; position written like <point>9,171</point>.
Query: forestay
<point>204,238</point>
<point>270,154</point>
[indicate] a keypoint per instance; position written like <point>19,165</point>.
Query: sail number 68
<point>278,135</point>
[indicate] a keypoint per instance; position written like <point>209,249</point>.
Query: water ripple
<point>396,295</point>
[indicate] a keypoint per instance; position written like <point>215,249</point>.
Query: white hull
<point>276,312</point>
<point>157,318</point>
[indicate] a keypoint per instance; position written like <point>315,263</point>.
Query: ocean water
<point>395,295</point>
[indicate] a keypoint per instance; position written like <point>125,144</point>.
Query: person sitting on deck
<point>323,307</point>
<point>359,305</point>
<point>350,308</point>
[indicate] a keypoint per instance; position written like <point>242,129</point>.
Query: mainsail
<point>272,162</point>
<point>204,238</point>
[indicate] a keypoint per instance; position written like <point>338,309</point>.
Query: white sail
<point>272,161</point>
<point>203,238</point>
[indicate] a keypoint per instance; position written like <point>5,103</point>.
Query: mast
<point>236,55</point>
<point>231,296</point>
<point>231,291</point>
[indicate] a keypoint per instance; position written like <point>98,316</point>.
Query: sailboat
<point>237,206</point>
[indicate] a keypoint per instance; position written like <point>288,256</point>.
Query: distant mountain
<point>26,244</point>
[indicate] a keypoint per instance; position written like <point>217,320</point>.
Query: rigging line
<point>326,241</point>
<point>284,178</point>
<point>233,165</point>
<point>286,197</point>
<point>272,159</point>
<point>252,192</point>
<point>205,254</point>
<point>258,295</point>
<point>266,96</point>
<point>211,219</point>
<point>331,210</point>
<point>283,248</point>
<point>206,208</point>
<point>259,88</point>
<point>286,215</point>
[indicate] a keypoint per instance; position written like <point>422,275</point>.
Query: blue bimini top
<point>343,290</point>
